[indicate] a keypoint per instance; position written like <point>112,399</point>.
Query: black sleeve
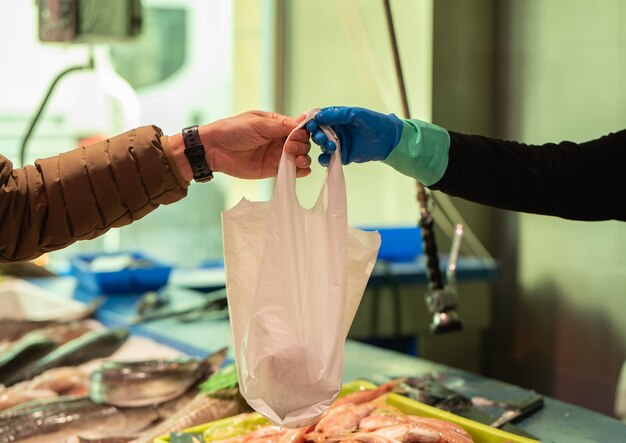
<point>585,181</point>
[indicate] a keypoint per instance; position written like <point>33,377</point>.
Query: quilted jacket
<point>83,193</point>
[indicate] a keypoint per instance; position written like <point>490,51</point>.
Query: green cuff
<point>422,152</point>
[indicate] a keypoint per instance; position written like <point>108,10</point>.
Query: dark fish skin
<point>94,344</point>
<point>69,417</point>
<point>23,353</point>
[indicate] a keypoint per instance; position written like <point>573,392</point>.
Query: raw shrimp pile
<point>362,417</point>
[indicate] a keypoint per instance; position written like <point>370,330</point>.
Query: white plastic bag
<point>295,278</point>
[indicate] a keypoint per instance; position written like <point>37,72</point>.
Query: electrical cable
<point>396,59</point>
<point>426,222</point>
<point>356,34</point>
<point>446,214</point>
<point>443,201</point>
<point>473,242</point>
<point>44,102</point>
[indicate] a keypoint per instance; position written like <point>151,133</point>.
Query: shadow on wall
<point>566,352</point>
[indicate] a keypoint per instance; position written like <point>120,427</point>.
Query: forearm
<point>569,180</point>
<point>83,193</point>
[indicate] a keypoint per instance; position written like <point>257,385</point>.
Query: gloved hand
<point>364,135</point>
<point>413,147</point>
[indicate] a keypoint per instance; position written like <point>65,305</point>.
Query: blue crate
<point>125,281</point>
<point>399,243</point>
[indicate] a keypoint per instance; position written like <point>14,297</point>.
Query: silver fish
<point>202,409</point>
<point>94,344</point>
<point>141,383</point>
<point>82,420</point>
<point>63,417</point>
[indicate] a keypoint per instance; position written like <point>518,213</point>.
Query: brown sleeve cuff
<point>172,161</point>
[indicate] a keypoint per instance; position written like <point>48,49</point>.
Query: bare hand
<point>250,145</point>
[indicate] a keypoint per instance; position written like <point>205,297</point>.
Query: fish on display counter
<point>36,344</point>
<point>22,353</point>
<point>63,381</point>
<point>202,409</point>
<point>141,383</point>
<point>12,329</point>
<point>89,346</point>
<point>57,419</point>
<point>164,394</point>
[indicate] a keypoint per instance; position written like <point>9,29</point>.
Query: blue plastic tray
<point>399,243</point>
<point>131,280</point>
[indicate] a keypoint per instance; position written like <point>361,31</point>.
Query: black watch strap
<point>194,151</point>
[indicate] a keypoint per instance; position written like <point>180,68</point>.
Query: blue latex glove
<point>364,135</point>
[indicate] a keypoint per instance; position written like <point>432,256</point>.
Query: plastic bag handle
<point>333,193</point>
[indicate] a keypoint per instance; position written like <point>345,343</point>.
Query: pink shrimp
<point>367,395</point>
<point>238,439</point>
<point>297,435</point>
<point>388,415</point>
<point>410,433</point>
<point>344,418</point>
<point>368,437</point>
<point>441,424</point>
<point>266,434</point>
<point>448,436</point>
<point>377,421</point>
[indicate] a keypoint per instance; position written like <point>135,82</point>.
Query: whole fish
<point>12,329</point>
<point>23,352</point>
<point>94,344</point>
<point>181,414</point>
<point>202,409</point>
<point>38,343</point>
<point>141,383</point>
<point>58,419</point>
<point>54,421</point>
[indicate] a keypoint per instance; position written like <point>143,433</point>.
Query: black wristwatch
<point>194,151</point>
